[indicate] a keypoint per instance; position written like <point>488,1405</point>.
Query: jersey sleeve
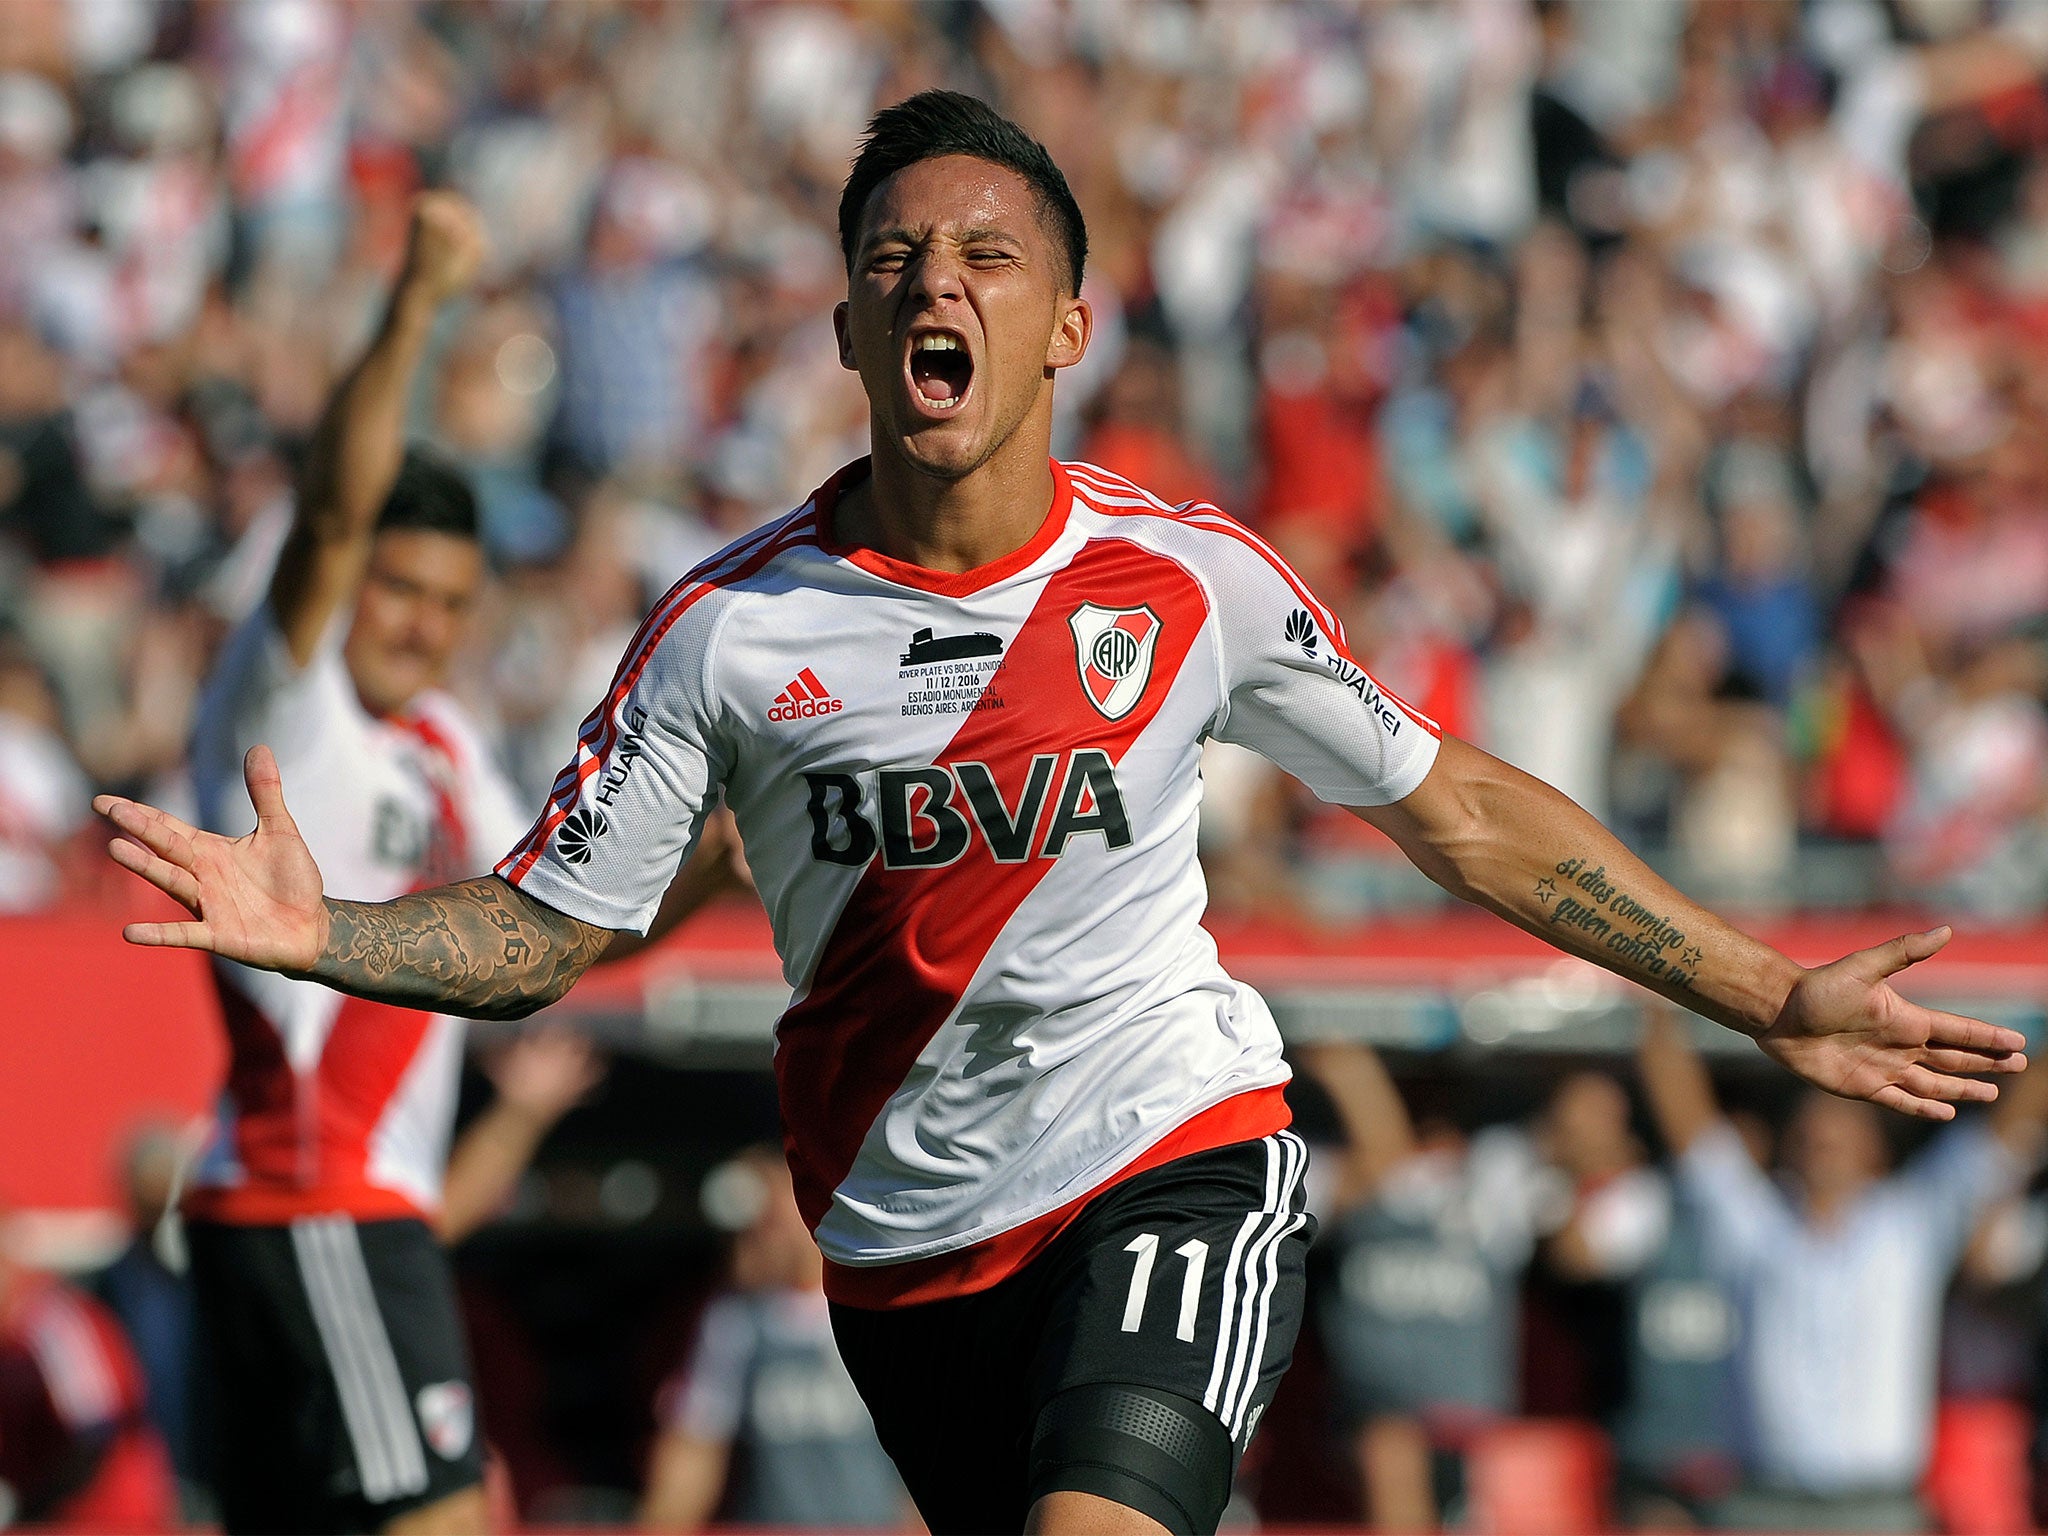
<point>1292,691</point>
<point>255,693</point>
<point>628,808</point>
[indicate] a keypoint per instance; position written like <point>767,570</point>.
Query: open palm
<point>256,899</point>
<point>1845,1029</point>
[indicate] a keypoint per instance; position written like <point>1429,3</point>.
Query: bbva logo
<point>926,818</point>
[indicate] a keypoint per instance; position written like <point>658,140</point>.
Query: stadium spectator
<point>762,1424</point>
<point>1431,1233</point>
<point>1609,1214</point>
<point>1842,1273</point>
<point>77,1449</point>
<point>540,1075</point>
<point>148,1289</point>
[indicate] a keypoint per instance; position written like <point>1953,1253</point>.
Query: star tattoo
<point>1545,889</point>
<point>1692,957</point>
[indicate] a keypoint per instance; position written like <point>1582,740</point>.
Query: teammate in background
<point>1842,1269</point>
<point>1037,1131</point>
<point>328,1320</point>
<point>764,1381</point>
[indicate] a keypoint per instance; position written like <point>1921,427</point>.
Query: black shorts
<point>339,1372</point>
<point>1184,1285</point>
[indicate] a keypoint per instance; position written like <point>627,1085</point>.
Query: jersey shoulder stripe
<point>1114,496</point>
<point>594,742</point>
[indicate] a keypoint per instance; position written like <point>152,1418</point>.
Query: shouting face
<point>959,309</point>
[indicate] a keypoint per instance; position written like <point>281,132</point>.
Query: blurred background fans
<point>1658,391</point>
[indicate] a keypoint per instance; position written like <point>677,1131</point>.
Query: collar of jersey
<point>942,583</point>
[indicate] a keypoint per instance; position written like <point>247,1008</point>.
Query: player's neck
<point>951,525</point>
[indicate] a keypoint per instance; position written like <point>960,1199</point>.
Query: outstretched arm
<point>479,947</point>
<point>354,457</point>
<point>1493,835</point>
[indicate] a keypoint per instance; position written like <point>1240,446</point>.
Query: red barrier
<point>96,1034</point>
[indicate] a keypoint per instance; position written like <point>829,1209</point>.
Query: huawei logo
<point>583,828</point>
<point>1301,629</point>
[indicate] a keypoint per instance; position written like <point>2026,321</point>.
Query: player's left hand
<point>1844,1028</point>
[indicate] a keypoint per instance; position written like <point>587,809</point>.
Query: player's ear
<point>845,338</point>
<point>1069,343</point>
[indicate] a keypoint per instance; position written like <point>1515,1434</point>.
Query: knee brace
<point>1161,1454</point>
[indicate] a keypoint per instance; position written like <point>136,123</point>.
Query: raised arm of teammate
<point>354,457</point>
<point>1493,835</point>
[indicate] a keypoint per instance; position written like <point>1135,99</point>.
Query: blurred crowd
<point>1649,385</point>
<point>1641,1306</point>
<point>1654,388</point>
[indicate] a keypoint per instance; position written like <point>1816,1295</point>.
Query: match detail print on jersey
<point>908,942</point>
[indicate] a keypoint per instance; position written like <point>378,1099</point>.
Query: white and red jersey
<point>334,1103</point>
<point>970,804</point>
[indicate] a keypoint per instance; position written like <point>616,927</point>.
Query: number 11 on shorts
<point>1146,1246</point>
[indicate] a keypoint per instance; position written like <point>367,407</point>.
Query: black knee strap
<point>1161,1454</point>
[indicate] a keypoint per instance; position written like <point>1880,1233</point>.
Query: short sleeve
<point>706,1400</point>
<point>627,808</point>
<point>1293,693</point>
<point>257,692</point>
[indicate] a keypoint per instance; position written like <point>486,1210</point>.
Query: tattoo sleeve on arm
<point>479,948</point>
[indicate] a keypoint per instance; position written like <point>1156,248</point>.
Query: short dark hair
<point>935,123</point>
<point>430,495</point>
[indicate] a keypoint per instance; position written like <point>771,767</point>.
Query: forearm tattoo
<point>1588,908</point>
<point>478,948</point>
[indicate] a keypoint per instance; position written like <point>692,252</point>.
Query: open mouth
<point>941,370</point>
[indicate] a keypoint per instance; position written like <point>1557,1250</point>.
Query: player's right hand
<point>256,899</point>
<point>446,247</point>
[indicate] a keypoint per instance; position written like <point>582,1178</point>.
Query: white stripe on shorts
<point>381,1433</point>
<point>1259,1288</point>
<point>1231,1270</point>
<point>1295,1222</point>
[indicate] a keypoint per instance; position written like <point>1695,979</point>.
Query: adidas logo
<point>804,699</point>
